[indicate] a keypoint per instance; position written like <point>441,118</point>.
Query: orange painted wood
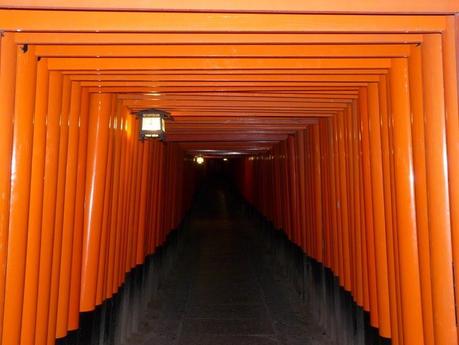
<point>368,207</point>
<point>21,161</point>
<point>341,264</point>
<point>374,133</point>
<point>347,119</point>
<point>438,192</point>
<point>317,192</point>
<point>101,279</point>
<point>246,50</point>
<point>293,192</point>
<point>59,211</point>
<point>417,106</point>
<point>75,275</point>
<point>96,21</point>
<point>7,94</point>
<point>211,38</point>
<point>344,206</point>
<point>96,169</point>
<point>35,208</point>
<point>116,200</point>
<point>450,71</point>
<point>140,252</point>
<point>73,64</point>
<point>389,212</point>
<point>49,202</point>
<point>120,207</point>
<point>302,187</point>
<point>71,183</point>
<point>346,125</point>
<point>405,203</point>
<point>423,6</point>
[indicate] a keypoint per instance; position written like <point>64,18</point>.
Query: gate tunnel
<point>340,122</point>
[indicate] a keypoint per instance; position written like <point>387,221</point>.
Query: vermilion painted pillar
<point>132,193</point>
<point>21,163</point>
<point>405,202</point>
<point>278,194</point>
<point>349,112</point>
<point>99,116</point>
<point>358,207</point>
<point>7,89</point>
<point>140,250</point>
<point>59,209</point>
<point>317,192</point>
<point>389,210</point>
<point>441,272</point>
<point>333,198</point>
<point>366,302</point>
<point>49,203</point>
<point>302,187</point>
<point>71,183</point>
<point>311,204</point>
<point>101,279</point>
<point>368,209</point>
<point>287,192</point>
<point>120,242</point>
<point>338,207</point>
<point>36,206</point>
<point>116,199</point>
<point>75,275</point>
<point>374,129</point>
<point>152,195</point>
<point>293,175</point>
<point>419,161</point>
<point>451,75</point>
<point>344,205</point>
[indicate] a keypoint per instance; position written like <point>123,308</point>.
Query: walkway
<point>224,290</point>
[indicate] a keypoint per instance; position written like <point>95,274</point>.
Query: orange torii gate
<point>362,175</point>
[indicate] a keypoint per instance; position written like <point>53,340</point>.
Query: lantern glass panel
<point>152,124</point>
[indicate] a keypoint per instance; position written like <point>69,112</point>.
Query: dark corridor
<point>227,276</point>
<point>224,289</point>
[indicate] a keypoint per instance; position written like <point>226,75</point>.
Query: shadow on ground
<point>225,289</point>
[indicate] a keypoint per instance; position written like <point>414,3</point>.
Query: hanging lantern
<point>152,124</point>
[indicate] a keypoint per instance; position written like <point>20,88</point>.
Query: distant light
<point>225,159</point>
<point>199,160</point>
<point>153,94</point>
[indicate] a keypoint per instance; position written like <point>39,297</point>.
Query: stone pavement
<point>225,290</point>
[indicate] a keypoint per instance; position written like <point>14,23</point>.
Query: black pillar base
<point>112,322</point>
<point>333,306</point>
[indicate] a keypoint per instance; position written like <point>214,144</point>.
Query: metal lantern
<point>152,123</point>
